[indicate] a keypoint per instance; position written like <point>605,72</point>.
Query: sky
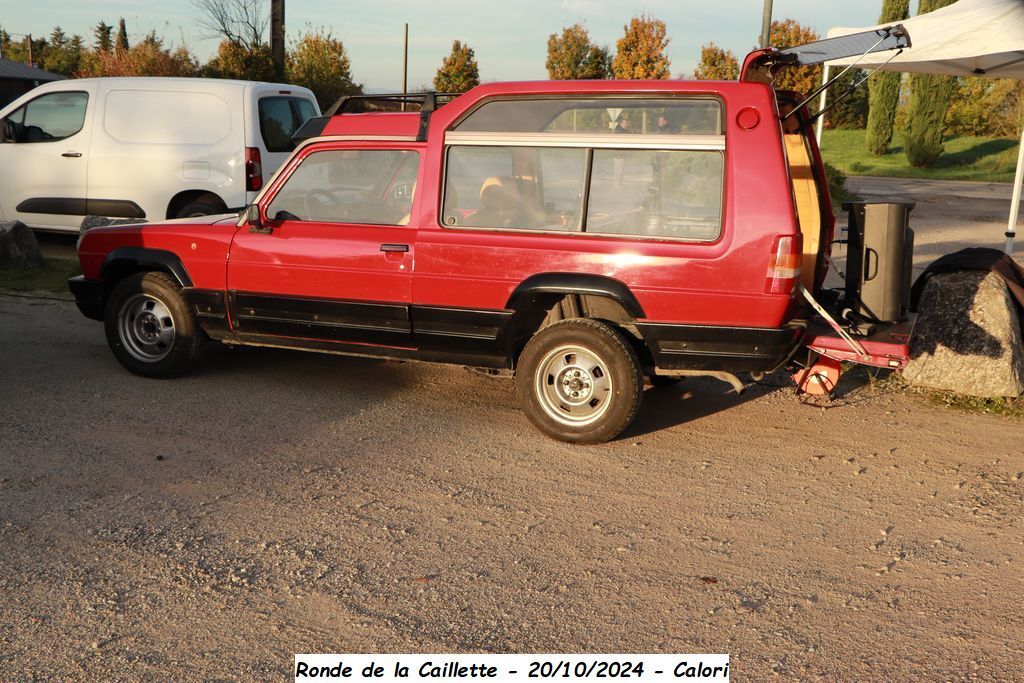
<point>509,36</point>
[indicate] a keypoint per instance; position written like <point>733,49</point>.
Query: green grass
<point>52,277</point>
<point>891,382</point>
<point>965,158</point>
<point>1010,407</point>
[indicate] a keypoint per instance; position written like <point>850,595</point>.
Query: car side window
<point>349,186</point>
<point>524,188</point>
<point>656,193</point>
<point>51,117</point>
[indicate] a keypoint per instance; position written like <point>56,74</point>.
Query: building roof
<point>19,72</point>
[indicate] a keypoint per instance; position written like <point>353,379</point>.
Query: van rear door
<point>279,113</point>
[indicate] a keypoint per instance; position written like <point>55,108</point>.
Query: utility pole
<point>277,36</point>
<point>766,23</point>
<point>30,62</point>
<point>405,65</point>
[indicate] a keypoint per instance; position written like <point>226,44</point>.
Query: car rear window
<point>280,117</point>
<point>598,115</point>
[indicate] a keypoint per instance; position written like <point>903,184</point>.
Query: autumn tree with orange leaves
<point>641,50</point>
<point>716,64</point>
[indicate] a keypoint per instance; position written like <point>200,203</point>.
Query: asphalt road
<point>272,502</point>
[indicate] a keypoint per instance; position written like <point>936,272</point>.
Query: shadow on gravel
<point>689,400</point>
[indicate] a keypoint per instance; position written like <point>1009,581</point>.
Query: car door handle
<point>71,155</point>
<point>394,247</point>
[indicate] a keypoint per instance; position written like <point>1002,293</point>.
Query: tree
<point>241,22</point>
<point>236,61</point>
<point>884,89</point>
<point>17,50</point>
<point>459,71</point>
<point>929,101</point>
<point>121,45</point>
<point>62,55</point>
<point>985,107</point>
<point>104,37</point>
<point>852,110</point>
<point>148,58</point>
<point>319,62</point>
<point>803,79</point>
<point>573,56</point>
<point>641,50</point>
<point>716,64</point>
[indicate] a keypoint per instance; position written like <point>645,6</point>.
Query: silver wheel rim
<point>573,385</point>
<point>146,328</point>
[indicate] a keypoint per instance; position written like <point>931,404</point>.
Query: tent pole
<point>1011,226</point>
<point>821,105</point>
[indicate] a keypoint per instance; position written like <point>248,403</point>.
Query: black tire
<point>579,381</point>
<point>150,328</point>
<point>206,205</point>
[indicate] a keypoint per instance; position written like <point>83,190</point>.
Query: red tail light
<point>253,169</point>
<point>784,264</point>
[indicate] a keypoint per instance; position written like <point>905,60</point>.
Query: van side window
<point>349,186</point>
<point>532,188</point>
<point>662,193</point>
<point>55,116</point>
<point>280,117</point>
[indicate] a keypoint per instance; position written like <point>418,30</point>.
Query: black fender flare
<point>575,283</point>
<point>142,258</point>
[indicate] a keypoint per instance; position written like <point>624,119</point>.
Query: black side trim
<point>114,208</point>
<point>459,329</point>
<point>211,309</point>
<point>325,319</point>
<point>574,283</point>
<point>64,206</point>
<point>74,206</point>
<point>88,296</point>
<point>732,349</point>
<point>148,259</point>
<point>480,360</point>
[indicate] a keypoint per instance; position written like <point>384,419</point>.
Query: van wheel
<point>579,381</point>
<point>150,328</point>
<point>206,205</point>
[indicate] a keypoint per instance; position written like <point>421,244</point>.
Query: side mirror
<point>9,133</point>
<point>254,218</point>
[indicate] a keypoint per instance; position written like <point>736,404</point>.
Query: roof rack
<point>428,102</point>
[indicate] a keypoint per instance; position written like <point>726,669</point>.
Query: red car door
<point>334,260</point>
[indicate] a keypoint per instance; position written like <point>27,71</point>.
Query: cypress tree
<point>884,89</point>
<point>929,101</point>
<point>122,37</point>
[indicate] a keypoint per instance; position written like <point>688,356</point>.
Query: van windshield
<point>280,117</point>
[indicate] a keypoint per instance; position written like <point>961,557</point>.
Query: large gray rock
<point>90,222</point>
<point>19,247</point>
<point>968,337</point>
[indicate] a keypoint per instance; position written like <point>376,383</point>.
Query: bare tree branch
<point>243,22</point>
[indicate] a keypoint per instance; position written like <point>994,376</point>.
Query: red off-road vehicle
<point>582,235</point>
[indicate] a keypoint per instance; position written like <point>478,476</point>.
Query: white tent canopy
<point>968,38</point>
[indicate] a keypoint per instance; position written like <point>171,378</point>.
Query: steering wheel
<point>328,202</point>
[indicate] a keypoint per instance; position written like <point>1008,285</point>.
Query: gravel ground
<point>275,502</point>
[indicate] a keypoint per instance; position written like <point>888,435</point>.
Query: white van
<point>151,148</point>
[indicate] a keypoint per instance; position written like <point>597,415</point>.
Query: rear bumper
<point>88,296</point>
<point>727,349</point>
